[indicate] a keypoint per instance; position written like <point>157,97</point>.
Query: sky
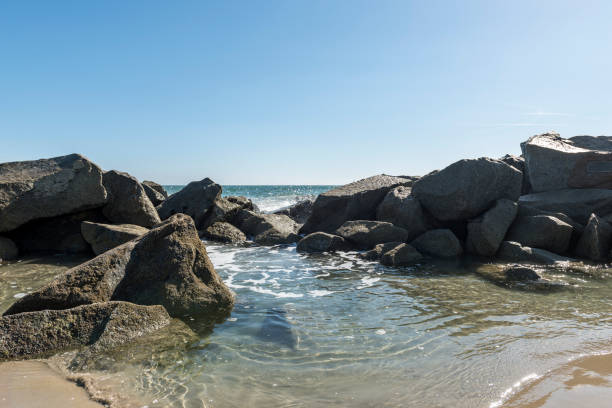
<point>297,92</point>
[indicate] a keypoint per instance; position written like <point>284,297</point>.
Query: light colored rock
<point>577,204</point>
<point>541,231</point>
<point>195,200</point>
<point>515,252</point>
<point>486,233</point>
<point>103,237</point>
<point>439,243</point>
<point>267,229</point>
<point>400,208</point>
<point>321,242</point>
<point>595,241</point>
<point>127,201</point>
<point>401,255</point>
<point>8,249</point>
<point>367,234</point>
<point>224,232</point>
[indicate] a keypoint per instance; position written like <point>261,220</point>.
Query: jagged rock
<point>594,243</point>
<point>322,242</point>
<point>166,266</point>
<point>298,212</point>
<point>99,325</point>
<point>127,201</point>
<point>224,232</point>
<point>555,163</point>
<point>45,188</point>
<point>354,201</point>
<point>577,204</point>
<point>157,187</point>
<point>155,196</point>
<point>8,249</point>
<point>401,255</point>
<point>439,243</point>
<point>223,210</point>
<point>515,252</point>
<point>486,233</point>
<point>519,164</point>
<point>521,273</point>
<point>243,202</point>
<point>377,252</point>
<point>103,237</point>
<point>467,188</point>
<point>400,208</point>
<point>367,234</point>
<point>541,231</point>
<point>195,200</point>
<point>267,229</point>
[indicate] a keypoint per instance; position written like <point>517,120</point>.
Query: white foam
<point>511,390</point>
<point>275,294</point>
<point>319,293</point>
<point>19,295</point>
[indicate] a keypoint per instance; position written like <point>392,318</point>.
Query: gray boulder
<point>103,237</point>
<point>367,234</point>
<point>521,274</point>
<point>44,188</point>
<point>155,196</point>
<point>299,212</point>
<point>486,233</point>
<point>467,188</point>
<point>377,252</point>
<point>595,241</point>
<point>166,266</point>
<point>555,163</point>
<point>157,187</point>
<point>8,249</point>
<point>439,243</point>
<point>527,210</point>
<point>243,202</point>
<point>322,242</point>
<point>224,232</point>
<point>577,204</point>
<point>127,201</point>
<point>518,163</point>
<point>541,231</point>
<point>195,200</point>
<point>515,252</point>
<point>354,201</point>
<point>401,255</point>
<point>267,229</point>
<point>223,210</point>
<point>400,208</point>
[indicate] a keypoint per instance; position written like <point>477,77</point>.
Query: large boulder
<point>354,201</point>
<point>44,188</point>
<point>555,163</point>
<point>322,242</point>
<point>467,188</point>
<point>267,229</point>
<point>299,212</point>
<point>400,208</point>
<point>541,231</point>
<point>367,234</point>
<point>223,210</point>
<point>515,252</point>
<point>127,201</point>
<point>485,234</point>
<point>155,196</point>
<point>439,243</point>
<point>195,200</point>
<point>223,232</point>
<point>595,241</point>
<point>157,187</point>
<point>401,255</point>
<point>168,266</point>
<point>103,237</point>
<point>518,163</point>
<point>577,204</point>
<point>8,249</point>
<point>99,325</point>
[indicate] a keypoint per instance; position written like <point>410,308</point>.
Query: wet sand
<point>33,384</point>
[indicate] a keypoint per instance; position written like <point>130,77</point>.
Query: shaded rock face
<point>595,241</point>
<point>46,188</point>
<point>298,212</point>
<point>486,233</point>
<point>101,326</point>
<point>155,196</point>
<point>519,164</point>
<point>167,266</point>
<point>521,273</point>
<point>195,200</point>
<point>367,234</point>
<point>555,163</point>
<point>515,252</point>
<point>224,232</point>
<point>467,188</point>
<point>267,229</point>
<point>355,201</point>
<point>577,204</point>
<point>103,237</point>
<point>322,242</point>
<point>401,255</point>
<point>127,201</point>
<point>243,202</point>
<point>157,187</point>
<point>8,249</point>
<point>377,252</point>
<point>541,231</point>
<point>400,208</point>
<point>439,243</point>
<point>223,210</point>
<point>526,210</point>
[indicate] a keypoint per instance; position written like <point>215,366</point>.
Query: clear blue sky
<point>315,92</point>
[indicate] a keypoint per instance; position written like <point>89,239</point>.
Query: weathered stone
<point>8,249</point>
<point>243,202</point>
<point>521,273</point>
<point>103,237</point>
<point>222,210</point>
<point>355,201</point>
<point>100,325</point>
<point>519,164</point>
<point>541,231</point>
<point>166,266</point>
<point>400,208</point>
<point>224,232</point>
<point>155,196</point>
<point>322,242</point>
<point>267,229</point>
<point>367,234</point>
<point>439,243</point>
<point>594,243</point>
<point>467,188</point>
<point>555,163</point>
<point>577,204</point>
<point>195,200</point>
<point>377,252</point>
<point>298,212</point>
<point>127,201</point>
<point>515,252</point>
<point>401,255</point>
<point>525,210</point>
<point>486,233</point>
<point>46,188</point>
<point>157,187</point>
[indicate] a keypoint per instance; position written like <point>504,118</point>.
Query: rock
<point>103,237</point>
<point>99,325</point>
<point>541,231</point>
<point>222,210</point>
<point>577,204</point>
<point>521,273</point>
<point>298,212</point>
<point>439,243</point>
<point>157,187</point>
<point>515,252</point>
<point>526,210</point>
<point>224,232</point>
<point>195,200</point>
<point>322,242</point>
<point>519,164</point>
<point>127,201</point>
<point>155,196</point>
<point>45,188</point>
<point>267,229</point>
<point>367,234</point>
<point>594,243</point>
<point>400,208</point>
<point>166,266</point>
<point>467,188</point>
<point>486,233</point>
<point>8,249</point>
<point>377,252</point>
<point>243,202</point>
<point>555,163</point>
<point>355,201</point>
<point>277,329</point>
<point>401,255</point>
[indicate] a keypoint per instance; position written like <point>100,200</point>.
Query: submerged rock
<point>367,234</point>
<point>486,233</point>
<point>298,212</point>
<point>157,187</point>
<point>224,232</point>
<point>103,237</point>
<point>577,204</point>
<point>402,209</point>
<point>439,243</point>
<point>515,252</point>
<point>401,255</point>
<point>377,252</point>
<point>595,241</point>
<point>521,273</point>
<point>541,231</point>
<point>267,229</point>
<point>322,242</point>
<point>195,200</point>
<point>127,201</point>
<point>8,249</point>
<point>277,329</point>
